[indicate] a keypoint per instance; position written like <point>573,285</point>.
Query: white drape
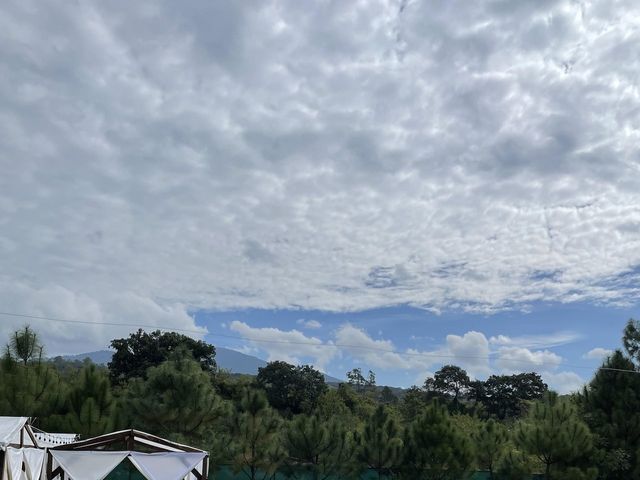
<point>12,464</point>
<point>92,465</point>
<point>34,460</point>
<point>10,429</point>
<point>166,465</point>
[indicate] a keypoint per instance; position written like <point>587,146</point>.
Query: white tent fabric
<point>166,465</point>
<point>13,464</point>
<point>10,430</point>
<point>33,460</point>
<point>83,465</point>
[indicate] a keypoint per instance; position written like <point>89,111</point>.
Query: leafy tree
<point>449,383</point>
<point>332,405</point>
<point>379,446</point>
<point>611,407</point>
<point>255,429</point>
<point>25,345</point>
<point>290,388</point>
<point>631,339</point>
<point>490,442</point>
<point>434,449</point>
<point>91,406</point>
<point>504,395</point>
<point>133,356</point>
<point>557,437</point>
<point>176,399</point>
<point>321,449</point>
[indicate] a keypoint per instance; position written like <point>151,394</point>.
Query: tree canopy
<point>134,355</point>
<point>291,388</point>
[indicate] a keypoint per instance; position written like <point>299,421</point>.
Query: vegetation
<point>133,356</point>
<point>288,420</point>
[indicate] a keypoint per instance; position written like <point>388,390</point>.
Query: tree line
<point>287,419</point>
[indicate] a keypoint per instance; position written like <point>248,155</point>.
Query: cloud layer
<point>332,155</point>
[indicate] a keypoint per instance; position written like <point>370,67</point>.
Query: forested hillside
<point>287,419</point>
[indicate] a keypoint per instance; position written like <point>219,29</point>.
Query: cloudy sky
<point>391,184</point>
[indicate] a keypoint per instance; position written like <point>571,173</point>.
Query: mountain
<point>227,359</point>
<point>101,357</point>
<point>237,362</point>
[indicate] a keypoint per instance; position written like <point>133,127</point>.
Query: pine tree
<point>33,389</point>
<point>611,407</point>
<point>557,437</point>
<point>25,345</point>
<point>514,466</point>
<point>434,449</point>
<point>254,428</point>
<point>177,400</point>
<point>92,408</point>
<point>320,448</point>
<point>379,446</point>
<point>490,443</point>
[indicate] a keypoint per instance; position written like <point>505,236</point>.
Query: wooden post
<point>205,467</point>
<point>49,465</point>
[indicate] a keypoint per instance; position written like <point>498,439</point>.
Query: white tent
<point>15,431</point>
<point>23,448</point>
<point>95,458</point>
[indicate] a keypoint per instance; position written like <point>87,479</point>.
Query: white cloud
<point>290,346</point>
<point>564,382</point>
<point>60,303</point>
<point>597,353</point>
<point>469,351</point>
<point>327,155</point>
<point>371,352</point>
<point>517,359</point>
<point>310,324</point>
<point>536,341</point>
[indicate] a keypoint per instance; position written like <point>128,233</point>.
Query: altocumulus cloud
<point>332,155</point>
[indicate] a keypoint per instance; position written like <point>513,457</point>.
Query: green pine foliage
<point>434,449</point>
<point>490,446</point>
<point>177,400</point>
<point>91,404</point>
<point>317,448</point>
<point>514,465</point>
<point>254,432</point>
<point>31,389</point>
<point>557,437</point>
<point>379,445</point>
<point>611,407</point>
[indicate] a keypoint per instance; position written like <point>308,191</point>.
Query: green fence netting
<point>126,471</point>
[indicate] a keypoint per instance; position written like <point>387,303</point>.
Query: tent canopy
<point>149,453</point>
<point>18,432</point>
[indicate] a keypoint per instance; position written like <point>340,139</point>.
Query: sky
<point>444,180</point>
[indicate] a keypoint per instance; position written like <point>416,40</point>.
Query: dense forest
<point>287,419</point>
